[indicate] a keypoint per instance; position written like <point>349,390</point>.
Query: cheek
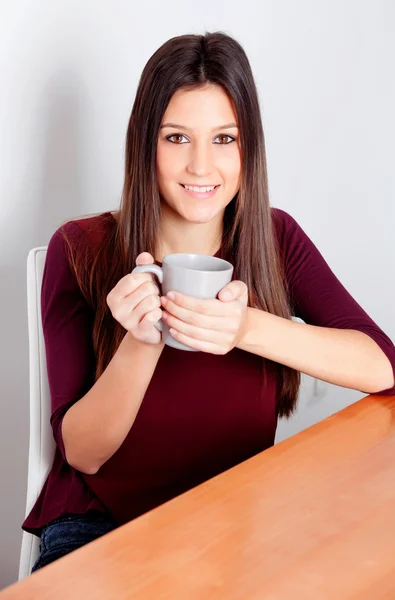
<point>232,169</point>
<point>167,163</point>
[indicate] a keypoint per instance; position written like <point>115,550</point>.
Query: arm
<point>89,420</point>
<point>338,342</point>
<point>344,357</point>
<point>94,427</point>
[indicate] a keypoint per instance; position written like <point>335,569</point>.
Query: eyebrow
<point>226,126</point>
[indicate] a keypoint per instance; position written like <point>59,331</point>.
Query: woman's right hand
<point>135,303</point>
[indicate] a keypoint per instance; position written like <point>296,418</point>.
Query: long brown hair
<point>249,241</point>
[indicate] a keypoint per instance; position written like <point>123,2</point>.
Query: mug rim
<point>227,264</point>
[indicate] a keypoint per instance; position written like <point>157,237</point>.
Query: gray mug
<point>196,275</point>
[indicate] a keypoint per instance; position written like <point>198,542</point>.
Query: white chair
<point>41,441</point>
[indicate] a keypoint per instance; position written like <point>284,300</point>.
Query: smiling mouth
<point>200,186</point>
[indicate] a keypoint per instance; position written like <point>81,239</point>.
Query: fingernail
<point>171,295</point>
<point>226,295</point>
<point>163,299</point>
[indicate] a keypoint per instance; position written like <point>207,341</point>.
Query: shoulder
<point>71,251</point>
<point>284,224</point>
<point>290,235</point>
<point>93,228</point>
<point>82,232</point>
<point>294,244</point>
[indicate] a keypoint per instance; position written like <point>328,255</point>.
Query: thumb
<point>144,258</point>
<point>233,290</point>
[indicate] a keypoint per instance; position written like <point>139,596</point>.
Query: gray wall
<point>69,72</point>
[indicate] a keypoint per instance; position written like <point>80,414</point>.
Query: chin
<point>193,212</point>
<point>199,216</point>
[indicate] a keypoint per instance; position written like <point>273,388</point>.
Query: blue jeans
<point>69,532</point>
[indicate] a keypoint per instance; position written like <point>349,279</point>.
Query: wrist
<point>136,349</point>
<point>132,343</point>
<point>252,339</point>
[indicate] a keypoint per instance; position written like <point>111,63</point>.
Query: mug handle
<point>158,271</point>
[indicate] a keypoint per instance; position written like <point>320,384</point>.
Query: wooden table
<point>312,518</point>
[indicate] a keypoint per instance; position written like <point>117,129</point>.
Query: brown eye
<point>175,135</point>
<point>229,137</point>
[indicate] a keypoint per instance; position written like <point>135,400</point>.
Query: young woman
<point>136,422</point>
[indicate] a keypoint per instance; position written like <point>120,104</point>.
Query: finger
<point>145,258</point>
<point>149,318</point>
<point>203,306</point>
<point>196,344</point>
<point>131,283</point>
<point>233,290</point>
<point>130,313</point>
<point>177,314</point>
<point>146,290</point>
<point>189,321</point>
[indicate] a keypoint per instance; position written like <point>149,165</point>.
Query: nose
<point>201,160</point>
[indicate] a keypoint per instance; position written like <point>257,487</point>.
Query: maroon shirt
<point>201,413</point>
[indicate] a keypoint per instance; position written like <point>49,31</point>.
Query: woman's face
<point>201,147</point>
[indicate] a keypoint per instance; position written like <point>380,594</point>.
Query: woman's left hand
<point>210,325</point>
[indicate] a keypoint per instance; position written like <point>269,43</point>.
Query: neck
<point>178,235</point>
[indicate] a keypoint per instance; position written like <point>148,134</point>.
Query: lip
<point>200,184</point>
<point>201,195</point>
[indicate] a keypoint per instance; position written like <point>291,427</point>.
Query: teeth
<point>199,189</point>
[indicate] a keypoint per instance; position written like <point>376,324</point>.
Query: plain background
<point>69,72</point>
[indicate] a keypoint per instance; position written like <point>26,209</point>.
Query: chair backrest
<point>41,441</point>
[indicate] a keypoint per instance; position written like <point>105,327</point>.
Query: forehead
<point>209,106</point>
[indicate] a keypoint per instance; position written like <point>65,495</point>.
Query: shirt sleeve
<point>318,297</point>
<point>67,321</point>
